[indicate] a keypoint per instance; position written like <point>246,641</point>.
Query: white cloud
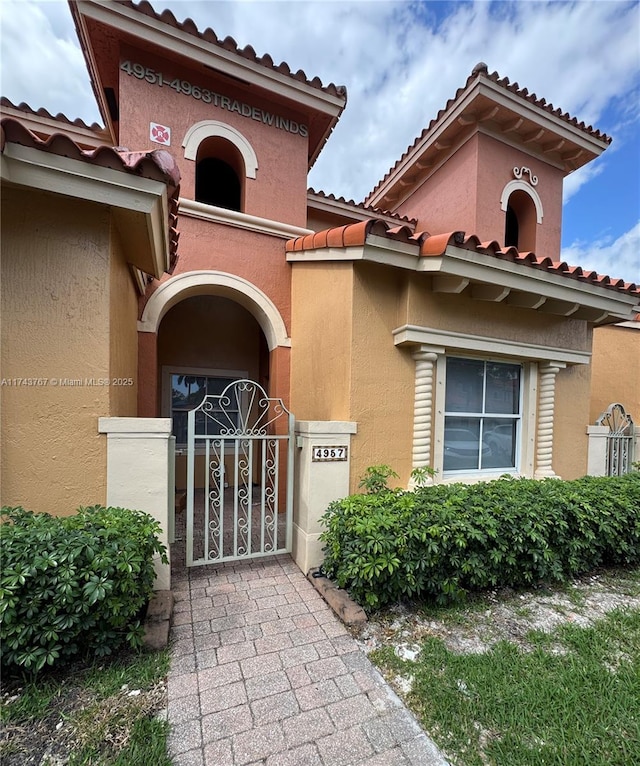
<point>399,70</point>
<point>619,258</point>
<point>399,61</point>
<point>574,181</point>
<point>41,61</point>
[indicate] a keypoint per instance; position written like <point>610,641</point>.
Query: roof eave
<point>576,141</point>
<point>358,212</point>
<point>487,278</point>
<point>84,135</point>
<point>140,205</point>
<point>156,32</point>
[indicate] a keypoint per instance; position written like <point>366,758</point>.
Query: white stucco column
<point>546,409</point>
<point>323,458</point>
<point>139,472</point>
<point>425,360</point>
<point>597,450</point>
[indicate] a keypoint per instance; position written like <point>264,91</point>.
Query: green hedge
<point>444,540</point>
<point>75,585</point>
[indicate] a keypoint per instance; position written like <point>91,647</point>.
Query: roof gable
<point>103,25</point>
<point>490,104</point>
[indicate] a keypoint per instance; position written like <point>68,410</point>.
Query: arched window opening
<point>219,170</point>
<point>520,222</point>
<point>511,228</point>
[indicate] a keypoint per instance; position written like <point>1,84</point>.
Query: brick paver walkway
<point>264,673</point>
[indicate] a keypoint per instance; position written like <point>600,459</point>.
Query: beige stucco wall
<point>570,421</point>
<point>55,327</point>
<point>382,380</point>
<point>321,341</point>
<point>346,366</point>
<point>615,375</point>
<point>461,313</point>
<point>123,335</point>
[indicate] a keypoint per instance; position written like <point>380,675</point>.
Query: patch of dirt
<point>76,718</point>
<point>502,615</point>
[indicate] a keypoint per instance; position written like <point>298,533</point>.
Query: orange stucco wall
<point>55,327</point>
<point>446,201</point>
<point>464,194</point>
<point>211,332</point>
<point>495,169</point>
<point>206,332</point>
<point>615,375</point>
<point>279,190</point>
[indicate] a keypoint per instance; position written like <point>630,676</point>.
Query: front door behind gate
<point>239,476</point>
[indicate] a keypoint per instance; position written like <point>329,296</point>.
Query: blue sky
<point>401,61</point>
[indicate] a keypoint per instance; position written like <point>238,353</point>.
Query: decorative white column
<point>322,475</point>
<point>546,409</point>
<point>597,450</point>
<point>423,410</point>
<point>139,474</point>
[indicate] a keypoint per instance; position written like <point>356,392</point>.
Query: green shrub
<point>73,585</point>
<point>444,540</point>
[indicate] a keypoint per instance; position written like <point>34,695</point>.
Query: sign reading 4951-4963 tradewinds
<point>211,97</point>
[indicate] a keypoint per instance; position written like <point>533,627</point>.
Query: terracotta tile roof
<point>481,71</point>
<point>22,107</point>
<point>356,234</point>
<point>360,206</point>
<point>229,44</point>
<point>157,165</point>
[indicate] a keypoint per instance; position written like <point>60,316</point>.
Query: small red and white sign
<point>160,134</point>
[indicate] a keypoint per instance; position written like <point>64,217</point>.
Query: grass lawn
<point>103,714</point>
<point>568,696</point>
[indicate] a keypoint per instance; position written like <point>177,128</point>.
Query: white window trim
<point>212,128</point>
<point>527,189</point>
<point>526,435</point>
<point>204,372</point>
<point>541,364</point>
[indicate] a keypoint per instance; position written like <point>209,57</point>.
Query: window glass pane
<point>464,385</point>
<point>503,388</point>
<point>180,426</point>
<point>461,444</point>
<point>187,391</point>
<point>217,385</point>
<point>499,438</point>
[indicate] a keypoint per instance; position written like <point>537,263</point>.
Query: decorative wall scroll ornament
<point>160,134</point>
<point>519,172</point>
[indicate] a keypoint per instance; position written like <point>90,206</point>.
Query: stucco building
<point>431,325</point>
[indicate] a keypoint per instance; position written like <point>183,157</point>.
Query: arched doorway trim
<point>222,284</point>
<point>527,189</point>
<point>208,128</point>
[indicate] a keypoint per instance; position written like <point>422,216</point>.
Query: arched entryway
<point>213,337</point>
